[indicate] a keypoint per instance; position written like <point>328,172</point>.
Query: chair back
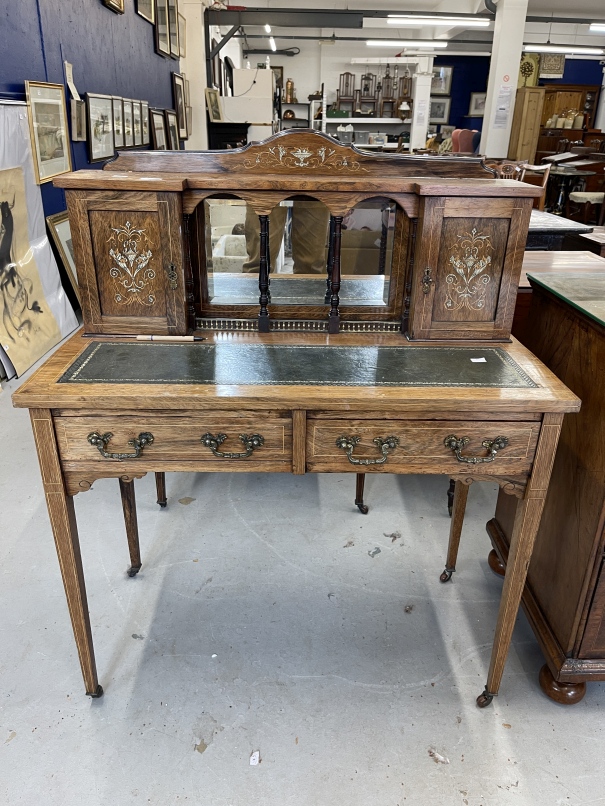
<point>507,169</point>
<point>466,141</point>
<point>562,145</point>
<point>541,171</point>
<point>456,140</point>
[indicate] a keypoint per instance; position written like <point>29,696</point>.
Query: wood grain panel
<point>421,446</point>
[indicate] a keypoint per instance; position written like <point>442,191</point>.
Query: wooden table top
<point>547,393</point>
<point>547,222</point>
<point>555,262</point>
<point>583,290</point>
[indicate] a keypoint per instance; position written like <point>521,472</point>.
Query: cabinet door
<point>467,264</point>
<point>129,256</point>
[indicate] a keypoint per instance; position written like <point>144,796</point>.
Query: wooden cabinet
<point>467,267</point>
<point>565,593</point>
<point>559,98</point>
<point>129,253</point>
<point>526,123</point>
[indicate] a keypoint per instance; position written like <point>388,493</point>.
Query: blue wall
<point>470,75</point>
<point>578,71</point>
<point>111,53</point>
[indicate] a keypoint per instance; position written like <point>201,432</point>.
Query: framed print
<point>78,120</point>
<point>178,95</point>
<point>128,130</point>
<point>187,96</point>
<point>189,115</point>
<point>118,122</point>
<point>146,9</point>
<point>100,127</point>
<point>441,81</point>
<point>173,28</point>
<point>115,5</point>
<point>477,105</point>
<point>440,110</point>
<point>145,123</point>
<point>162,36</point>
<point>172,129</point>
<point>48,130</point>
<point>58,226</point>
<point>446,131</point>
<point>213,102</point>
<point>158,129</point>
<point>136,123</point>
<point>182,36</point>
<point>279,79</point>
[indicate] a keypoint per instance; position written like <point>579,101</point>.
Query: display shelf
<point>381,121</point>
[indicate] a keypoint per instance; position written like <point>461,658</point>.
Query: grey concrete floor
<point>264,619</point>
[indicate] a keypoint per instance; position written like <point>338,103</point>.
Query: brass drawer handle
<point>348,444</point>
<point>250,442</point>
<point>100,441</point>
<point>492,445</point>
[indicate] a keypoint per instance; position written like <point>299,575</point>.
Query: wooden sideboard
<point>565,594</point>
<point>407,367</point>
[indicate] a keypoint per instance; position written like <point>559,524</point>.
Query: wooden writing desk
<point>294,403</point>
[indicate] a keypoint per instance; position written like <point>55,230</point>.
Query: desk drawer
<point>420,446</point>
<point>177,441</point>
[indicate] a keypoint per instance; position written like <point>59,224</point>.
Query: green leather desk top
<point>307,365</point>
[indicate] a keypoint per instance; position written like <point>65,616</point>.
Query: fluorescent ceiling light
<point>405,43</point>
<point>466,22</point>
<point>272,43</point>
<point>563,49</point>
<point>268,28</point>
<point>598,27</point>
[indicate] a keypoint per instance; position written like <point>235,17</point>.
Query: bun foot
<point>495,563</point>
<point>484,699</point>
<point>563,693</point>
<point>97,693</point>
<point>134,570</point>
<point>446,575</point>
<point>362,508</point>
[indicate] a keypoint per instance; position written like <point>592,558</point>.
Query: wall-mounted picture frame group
<point>58,226</point>
<point>440,110</point>
<point>48,129</point>
<point>100,126</point>
<point>168,25</point>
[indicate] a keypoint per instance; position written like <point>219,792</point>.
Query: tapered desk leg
<point>63,522</point>
<point>458,510</point>
<point>360,480</point>
<point>525,528</point>
<point>450,497</point>
<point>160,487</point>
<point>129,506</point>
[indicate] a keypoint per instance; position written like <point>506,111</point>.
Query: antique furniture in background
<point>309,371</point>
<point>593,241</point>
<point>565,594</point>
<point>548,231</point>
<point>526,123</point>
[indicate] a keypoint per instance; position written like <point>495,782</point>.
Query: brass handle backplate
<point>427,281</point>
<point>250,442</point>
<point>100,441</point>
<point>492,445</point>
<point>347,444</point>
<point>172,276</point>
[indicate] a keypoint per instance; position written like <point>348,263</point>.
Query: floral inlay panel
<point>130,251</point>
<point>470,262</point>
<point>301,157</point>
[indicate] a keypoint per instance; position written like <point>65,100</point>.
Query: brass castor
<point>446,575</point>
<point>563,693</point>
<point>484,699</point>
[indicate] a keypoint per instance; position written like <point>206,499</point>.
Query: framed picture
<point>213,103</point>
<point>137,131</point>
<point>158,129</point>
<point>145,122</point>
<point>146,8</point>
<point>440,110</point>
<point>173,28</point>
<point>115,5</point>
<point>48,130</point>
<point>182,36</point>
<point>100,126</point>
<point>477,105</point>
<point>58,226</point>
<point>187,96</point>
<point>118,122</point>
<point>178,95</point>
<point>78,120</point>
<point>279,79</point>
<point>172,129</point>
<point>441,81</point>
<point>162,36</point>
<point>128,129</point>
<point>189,115</point>
<point>446,131</point>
